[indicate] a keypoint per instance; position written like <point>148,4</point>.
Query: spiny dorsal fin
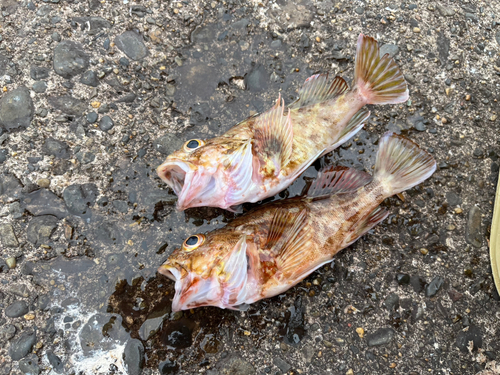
<point>365,224</point>
<point>287,237</point>
<point>353,126</point>
<point>274,137</point>
<point>337,180</point>
<point>317,89</point>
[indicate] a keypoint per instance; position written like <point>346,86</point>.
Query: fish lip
<point>177,174</point>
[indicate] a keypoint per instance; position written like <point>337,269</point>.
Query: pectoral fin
<point>288,237</point>
<point>239,165</point>
<point>235,275</point>
<point>274,138</point>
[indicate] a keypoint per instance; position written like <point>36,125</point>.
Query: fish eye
<point>193,144</point>
<point>193,242</point>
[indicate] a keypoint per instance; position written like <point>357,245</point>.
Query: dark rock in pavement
<point>468,334</point>
<point>57,148</point>
<point>29,365</point>
<point>16,309</point>
<point>133,356</point>
<point>8,236</point>
<point>453,199</point>
<point>39,87</point>
<point>433,287</point>
<point>89,78</point>
<point>391,302</point>
<point>85,157</point>
<point>67,104</point>
<point>79,198</point>
<point>257,78</point>
<point>132,45</point>
<point>391,49</point>
<point>120,206</point>
<point>44,202</point>
<point>101,332</point>
<point>474,232</point>
<point>55,361</point>
<point>168,143</point>
<point>40,229</point>
<point>70,59</point>
<point>39,72</point>
<point>21,347</point>
<point>417,283</point>
<point>10,186</point>
<point>382,336</point>
<point>16,109</point>
<point>283,365</point>
<point>106,123</point>
<point>7,331</point>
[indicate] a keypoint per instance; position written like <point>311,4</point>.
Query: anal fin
<point>365,224</point>
<point>288,237</point>
<point>337,180</point>
<point>317,89</point>
<point>353,126</point>
<point>274,137</point>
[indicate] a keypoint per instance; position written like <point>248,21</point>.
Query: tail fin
<point>401,164</point>
<point>378,79</point>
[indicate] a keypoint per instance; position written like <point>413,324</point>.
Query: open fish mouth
<point>174,174</point>
<point>171,272</point>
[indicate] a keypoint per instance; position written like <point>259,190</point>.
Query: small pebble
<point>424,251</point>
<point>360,331</point>
<point>29,316</point>
<point>416,29</point>
<point>11,262</point>
<point>43,183</point>
<point>458,210</point>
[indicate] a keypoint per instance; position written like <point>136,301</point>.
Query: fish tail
<point>377,79</point>
<point>401,164</point>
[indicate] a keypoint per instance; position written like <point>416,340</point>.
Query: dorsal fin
<point>274,137</point>
<point>287,237</point>
<point>337,180</point>
<point>353,126</point>
<point>317,89</point>
<point>365,224</point>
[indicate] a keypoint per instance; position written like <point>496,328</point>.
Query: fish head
<point>210,270</point>
<point>211,173</point>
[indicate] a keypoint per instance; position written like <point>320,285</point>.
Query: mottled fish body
<point>264,154</point>
<point>275,246</point>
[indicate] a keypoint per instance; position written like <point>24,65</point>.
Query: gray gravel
<point>95,95</point>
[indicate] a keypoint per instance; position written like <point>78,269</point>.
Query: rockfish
<point>275,246</point>
<point>264,154</point>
